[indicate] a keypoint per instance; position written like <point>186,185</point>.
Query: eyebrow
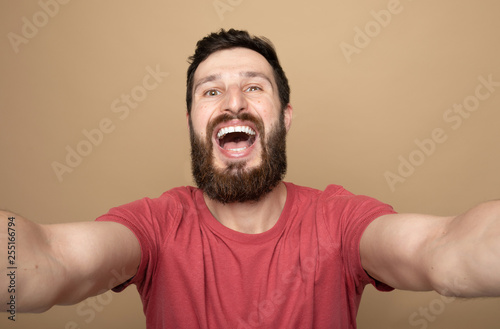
<point>253,74</point>
<point>209,78</point>
<point>246,74</point>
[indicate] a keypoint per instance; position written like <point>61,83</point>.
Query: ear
<point>288,112</point>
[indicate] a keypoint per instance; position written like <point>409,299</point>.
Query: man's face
<point>237,125</point>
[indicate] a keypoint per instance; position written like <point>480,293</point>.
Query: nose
<point>234,101</point>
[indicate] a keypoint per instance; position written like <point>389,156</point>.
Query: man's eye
<point>212,92</point>
<point>253,88</point>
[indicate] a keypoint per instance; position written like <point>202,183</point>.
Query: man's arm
<point>63,264</point>
<point>456,256</point>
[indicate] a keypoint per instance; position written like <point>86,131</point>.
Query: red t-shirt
<point>305,272</point>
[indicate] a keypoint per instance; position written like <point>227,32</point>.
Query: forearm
<point>25,264</point>
<point>470,254</point>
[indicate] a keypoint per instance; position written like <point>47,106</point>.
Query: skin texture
<point>455,256</point>
<point>222,84</point>
<point>66,263</point>
<point>235,81</point>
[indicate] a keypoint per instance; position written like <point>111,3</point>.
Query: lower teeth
<point>237,150</point>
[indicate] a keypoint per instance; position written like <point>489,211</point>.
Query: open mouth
<point>236,138</point>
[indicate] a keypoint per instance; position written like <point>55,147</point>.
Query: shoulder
<point>168,201</point>
<point>330,190</point>
<point>164,209</point>
<point>183,195</point>
<point>338,206</point>
<point>310,192</point>
<point>337,199</point>
<point>332,194</point>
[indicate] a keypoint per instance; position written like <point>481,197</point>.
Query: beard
<point>236,183</point>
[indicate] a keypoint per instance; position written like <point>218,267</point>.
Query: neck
<point>250,217</point>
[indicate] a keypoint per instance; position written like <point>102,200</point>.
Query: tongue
<point>235,145</point>
<point>235,141</point>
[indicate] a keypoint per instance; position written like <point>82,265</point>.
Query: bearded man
<point>245,249</point>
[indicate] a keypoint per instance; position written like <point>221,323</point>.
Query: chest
<point>219,282</point>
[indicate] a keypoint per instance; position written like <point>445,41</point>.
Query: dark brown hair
<point>234,39</point>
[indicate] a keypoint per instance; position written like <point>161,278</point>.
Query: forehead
<point>233,61</point>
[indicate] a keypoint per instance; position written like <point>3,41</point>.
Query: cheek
<point>198,127</point>
<point>263,108</point>
<point>200,116</point>
<point>269,115</point>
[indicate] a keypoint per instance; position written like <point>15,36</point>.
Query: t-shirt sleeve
<point>350,215</point>
<point>150,220</point>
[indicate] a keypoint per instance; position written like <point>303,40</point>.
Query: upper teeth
<point>235,129</point>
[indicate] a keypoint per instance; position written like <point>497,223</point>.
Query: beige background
<point>352,120</point>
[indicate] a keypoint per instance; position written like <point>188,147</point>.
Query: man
<point>245,249</point>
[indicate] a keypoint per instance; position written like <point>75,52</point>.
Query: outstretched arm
<point>63,264</point>
<point>456,256</point>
